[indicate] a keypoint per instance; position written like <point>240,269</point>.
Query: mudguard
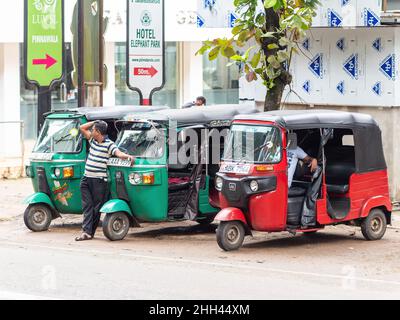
<point>376,202</point>
<point>231,214</point>
<point>38,198</point>
<point>116,205</point>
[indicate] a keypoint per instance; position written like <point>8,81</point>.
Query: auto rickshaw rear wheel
<point>374,226</point>
<point>116,226</point>
<point>230,235</point>
<point>38,217</point>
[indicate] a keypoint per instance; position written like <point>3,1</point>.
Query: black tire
<point>38,217</point>
<point>230,235</point>
<point>116,226</point>
<point>374,226</point>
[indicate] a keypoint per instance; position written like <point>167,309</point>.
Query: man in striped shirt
<point>94,185</point>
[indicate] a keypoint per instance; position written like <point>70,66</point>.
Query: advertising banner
<point>44,41</point>
<point>145,43</point>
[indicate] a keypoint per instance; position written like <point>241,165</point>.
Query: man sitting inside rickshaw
<point>294,155</point>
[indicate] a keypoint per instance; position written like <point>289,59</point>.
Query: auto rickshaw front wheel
<point>230,235</point>
<point>116,226</point>
<point>38,217</point>
<point>374,226</point>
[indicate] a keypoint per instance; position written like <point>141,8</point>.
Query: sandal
<point>84,237</point>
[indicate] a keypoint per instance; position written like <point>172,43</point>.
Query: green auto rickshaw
<point>57,163</point>
<point>177,158</point>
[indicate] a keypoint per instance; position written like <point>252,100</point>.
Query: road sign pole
<point>44,105</point>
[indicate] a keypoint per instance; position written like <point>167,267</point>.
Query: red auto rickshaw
<point>350,185</point>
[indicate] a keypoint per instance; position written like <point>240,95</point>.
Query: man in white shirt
<point>293,158</point>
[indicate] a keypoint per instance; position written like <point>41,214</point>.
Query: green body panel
<point>38,198</point>
<point>205,207</point>
<point>116,205</point>
<point>65,194</point>
<point>148,202</point>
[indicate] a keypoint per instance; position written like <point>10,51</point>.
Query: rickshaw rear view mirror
<point>292,141</point>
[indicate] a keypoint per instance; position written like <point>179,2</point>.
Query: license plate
<point>116,162</point>
<point>235,168</point>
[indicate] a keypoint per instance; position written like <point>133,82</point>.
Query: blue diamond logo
<point>340,44</point>
<point>307,86</point>
<point>388,67</point>
<point>377,44</point>
<point>377,88</point>
<point>370,18</point>
<point>334,19</point>
<point>316,66</point>
<point>232,19</point>
<point>351,66</point>
<point>340,87</point>
<point>200,22</point>
<point>306,44</point>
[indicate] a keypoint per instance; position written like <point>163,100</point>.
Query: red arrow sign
<point>145,71</point>
<point>49,61</point>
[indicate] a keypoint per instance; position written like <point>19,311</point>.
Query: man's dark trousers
<point>94,196</point>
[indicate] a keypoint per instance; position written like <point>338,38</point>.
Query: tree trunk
<point>273,98</point>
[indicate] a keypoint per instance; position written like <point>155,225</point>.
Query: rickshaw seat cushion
<point>297,192</point>
<point>339,173</point>
<point>338,189</point>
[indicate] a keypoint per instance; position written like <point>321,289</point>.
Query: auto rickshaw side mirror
<point>292,141</point>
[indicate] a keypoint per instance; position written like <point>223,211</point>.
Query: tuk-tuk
<point>350,185</point>
<point>161,186</point>
<point>57,163</point>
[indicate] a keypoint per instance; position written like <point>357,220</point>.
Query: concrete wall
<point>388,119</point>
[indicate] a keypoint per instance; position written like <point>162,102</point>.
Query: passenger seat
<point>338,176</point>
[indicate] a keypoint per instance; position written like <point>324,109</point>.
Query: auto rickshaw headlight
<point>254,186</point>
<point>219,183</point>
<point>135,179</point>
<point>57,172</point>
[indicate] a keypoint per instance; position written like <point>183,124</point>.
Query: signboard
<point>44,41</point>
<point>145,43</point>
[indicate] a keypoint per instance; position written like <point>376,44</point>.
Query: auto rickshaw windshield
<point>142,141</point>
<point>254,144</point>
<point>59,136</point>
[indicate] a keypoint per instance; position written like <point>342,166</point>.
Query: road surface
<point>182,261</point>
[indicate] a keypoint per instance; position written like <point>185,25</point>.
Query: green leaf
<point>273,46</point>
<point>214,53</point>
<point>228,52</point>
<point>269,3</point>
<point>256,60</point>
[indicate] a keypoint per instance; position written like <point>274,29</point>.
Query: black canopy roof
<point>196,115</point>
<point>367,134</point>
<point>303,119</point>
<point>111,113</point>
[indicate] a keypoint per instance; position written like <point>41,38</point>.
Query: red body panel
<point>231,214</point>
<point>267,212</point>
<point>367,191</point>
